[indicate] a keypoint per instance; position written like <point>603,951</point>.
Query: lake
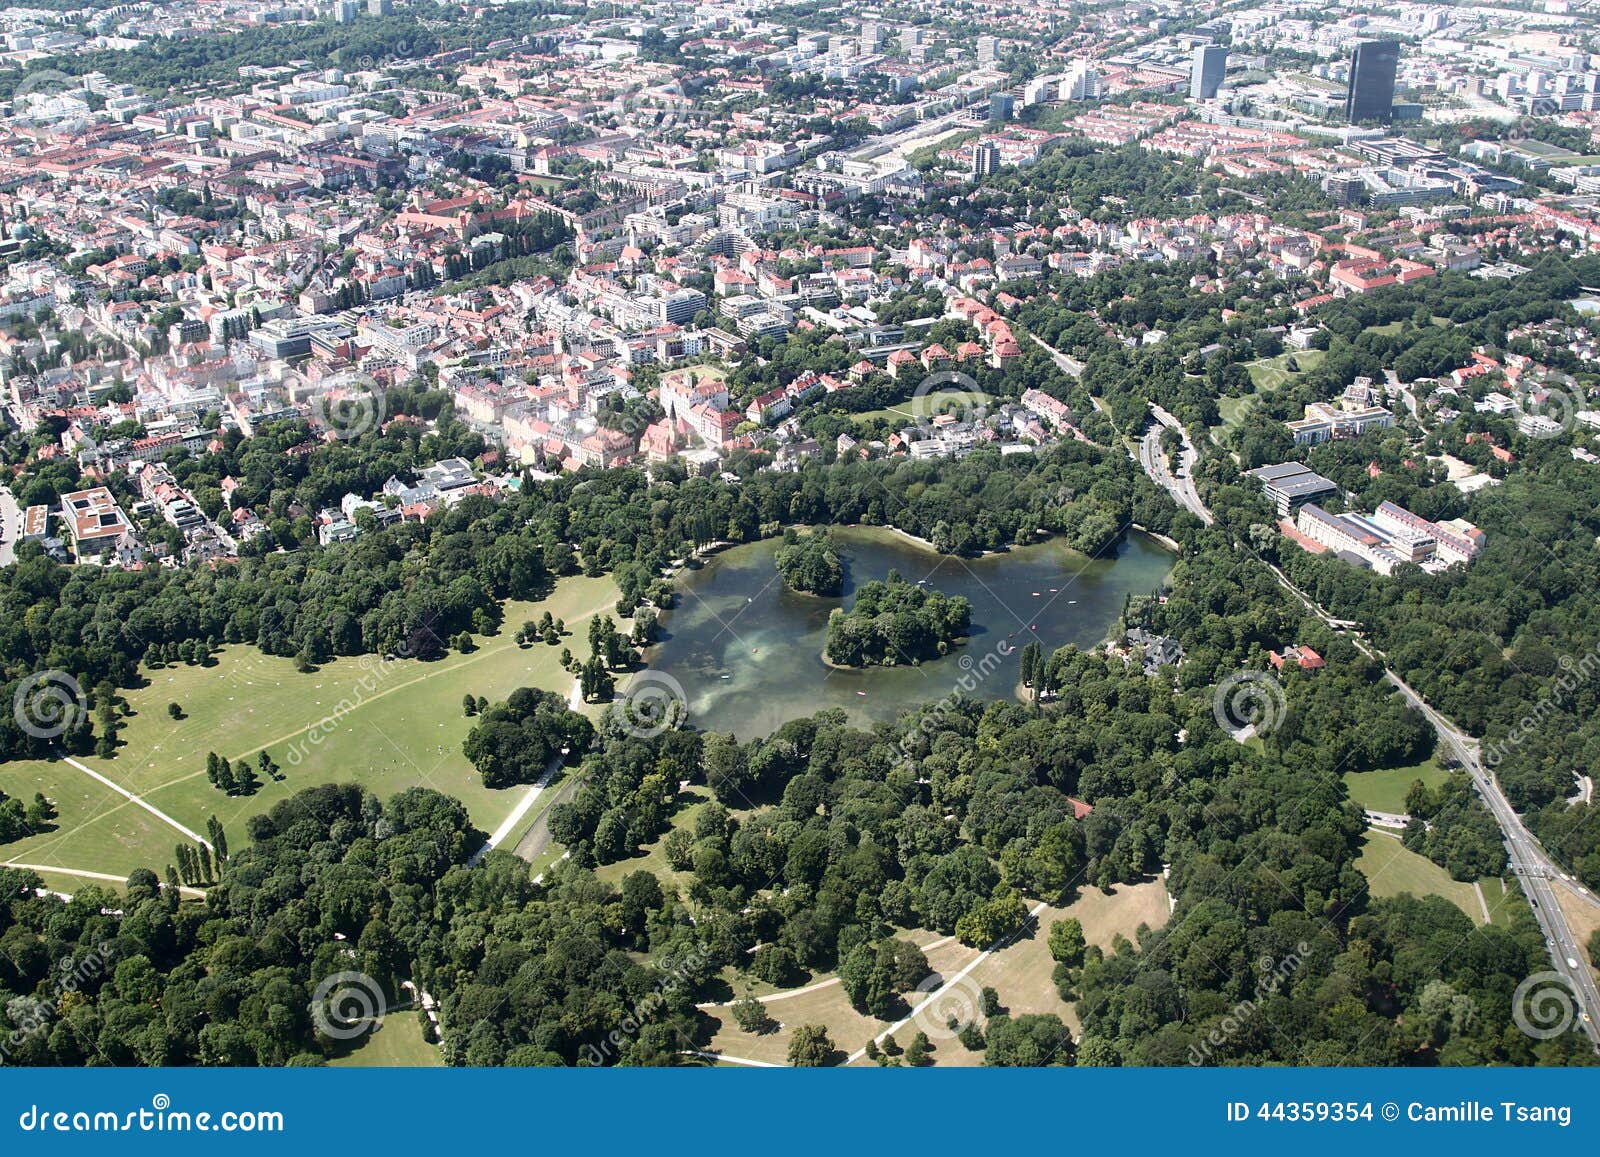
<point>748,651</point>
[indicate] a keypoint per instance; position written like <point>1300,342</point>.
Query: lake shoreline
<point>751,653</point>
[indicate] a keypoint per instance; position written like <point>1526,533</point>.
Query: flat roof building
<point>94,520</point>
<point>1290,485</point>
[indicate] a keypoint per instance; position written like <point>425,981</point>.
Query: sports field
<point>385,724</point>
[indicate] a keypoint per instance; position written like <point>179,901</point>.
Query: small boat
<point>1035,594</point>
<point>863,694</point>
<point>1053,590</point>
<point>1072,602</point>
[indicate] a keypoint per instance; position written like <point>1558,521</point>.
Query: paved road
<point>532,795</point>
<point>136,800</point>
<point>1528,861</point>
<point>1070,366</point>
<point>1154,461</point>
<point>10,526</point>
<point>1535,870</point>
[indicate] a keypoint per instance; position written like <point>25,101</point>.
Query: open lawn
<point>1020,972</point>
<point>1267,375</point>
<point>822,1000</point>
<point>902,413</point>
<point>1391,868</point>
<point>1385,791</point>
<point>398,1043</point>
<point>1270,373</point>
<point>385,724</point>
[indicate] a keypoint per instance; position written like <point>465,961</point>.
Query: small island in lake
<point>895,622</point>
<point>810,563</point>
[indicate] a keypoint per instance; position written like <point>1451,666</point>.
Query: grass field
<point>386,725</point>
<point>397,1044</point>
<point>1270,373</point>
<point>902,412</point>
<point>1391,868</point>
<point>1584,917</point>
<point>1020,972</point>
<point>1267,375</point>
<point>1385,791</point>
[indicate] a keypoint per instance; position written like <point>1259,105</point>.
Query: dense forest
<point>810,563</point>
<point>409,588</point>
<point>838,843</point>
<point>894,621</point>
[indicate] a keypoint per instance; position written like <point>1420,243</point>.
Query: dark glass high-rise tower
<point>1372,69</point>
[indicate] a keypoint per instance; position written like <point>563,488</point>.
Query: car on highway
<point>1571,963</point>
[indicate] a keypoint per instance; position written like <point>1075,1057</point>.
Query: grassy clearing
<point>1268,374</point>
<point>1391,868</point>
<point>1385,791</point>
<point>1019,972</point>
<point>902,412</point>
<point>398,1043</point>
<point>386,725</point>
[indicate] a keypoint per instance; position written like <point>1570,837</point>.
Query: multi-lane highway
<point>1539,875</point>
<point>1532,866</point>
<point>1154,460</point>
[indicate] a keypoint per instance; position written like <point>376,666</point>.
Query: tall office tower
<point>1372,69</point>
<point>1082,82</point>
<point>988,50</point>
<point>1210,66</point>
<point>873,38</point>
<point>1002,106</point>
<point>911,38</point>
<point>985,159</point>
